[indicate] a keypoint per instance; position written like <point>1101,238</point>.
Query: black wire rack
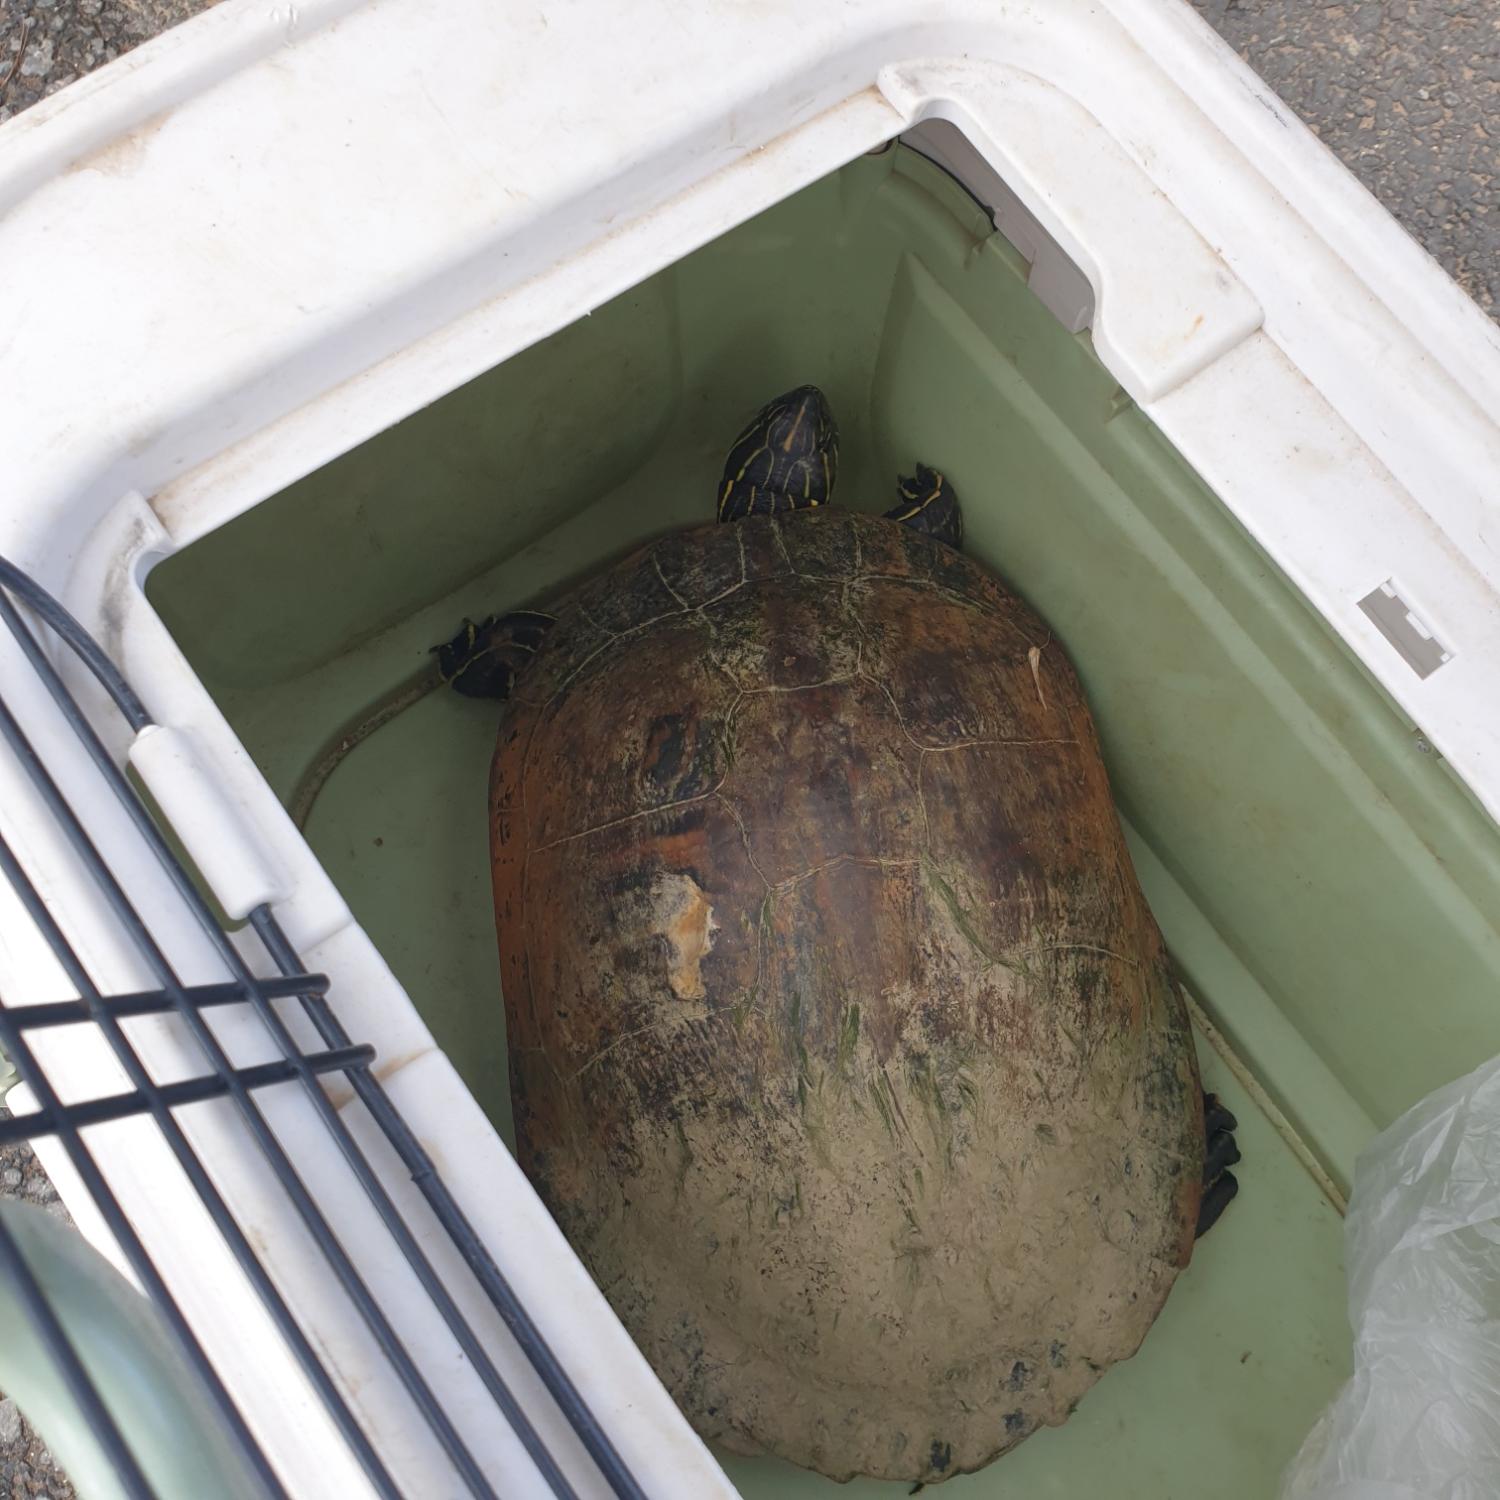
<point>340,1055</point>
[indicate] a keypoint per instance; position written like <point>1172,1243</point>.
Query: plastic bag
<point>1420,1419</point>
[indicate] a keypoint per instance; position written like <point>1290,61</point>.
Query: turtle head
<point>786,459</point>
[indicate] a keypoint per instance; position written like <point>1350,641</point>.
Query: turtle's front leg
<point>1219,1154</point>
<point>928,505</point>
<point>484,660</point>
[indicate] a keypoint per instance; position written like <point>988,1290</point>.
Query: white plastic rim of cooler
<point>271,233</point>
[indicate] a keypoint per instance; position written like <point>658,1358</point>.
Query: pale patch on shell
<point>684,916</point>
<point>1034,656</point>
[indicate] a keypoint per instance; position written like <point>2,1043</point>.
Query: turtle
<point>844,1048</point>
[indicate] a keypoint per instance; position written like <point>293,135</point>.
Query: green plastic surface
<point>158,1404</point>
<point>1329,889</point>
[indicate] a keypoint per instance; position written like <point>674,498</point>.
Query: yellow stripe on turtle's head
<point>786,459</point>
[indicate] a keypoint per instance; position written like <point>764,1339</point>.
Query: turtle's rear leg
<point>484,660</point>
<point>1219,1154</point>
<point>928,505</point>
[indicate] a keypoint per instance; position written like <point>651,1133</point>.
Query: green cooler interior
<point>1328,888</point>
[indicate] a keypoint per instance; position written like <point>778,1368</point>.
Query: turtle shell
<point>843,1045</point>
